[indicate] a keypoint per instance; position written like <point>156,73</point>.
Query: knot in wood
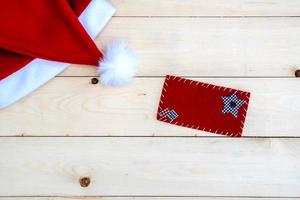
<point>297,73</point>
<point>84,181</point>
<point>94,80</point>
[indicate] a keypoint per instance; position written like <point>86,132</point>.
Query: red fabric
<point>78,6</point>
<point>11,62</point>
<point>199,105</point>
<point>43,29</point>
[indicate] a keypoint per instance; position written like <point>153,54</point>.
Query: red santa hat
<point>50,31</point>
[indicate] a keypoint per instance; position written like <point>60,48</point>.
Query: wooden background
<point>70,128</point>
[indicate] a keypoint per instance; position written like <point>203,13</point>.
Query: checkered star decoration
<point>203,106</point>
<point>171,114</point>
<point>232,104</point>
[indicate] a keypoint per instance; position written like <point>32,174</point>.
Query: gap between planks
<point>142,198</point>
<point>184,76</point>
<point>220,16</point>
<point>229,8</point>
<point>145,136</point>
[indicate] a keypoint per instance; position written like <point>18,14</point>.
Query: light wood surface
<point>207,46</point>
<point>150,166</point>
<point>207,8</point>
<point>252,45</point>
<point>73,106</point>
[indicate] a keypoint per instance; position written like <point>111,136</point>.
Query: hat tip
<point>119,64</point>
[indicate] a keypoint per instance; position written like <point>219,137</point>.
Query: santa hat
<point>51,32</point>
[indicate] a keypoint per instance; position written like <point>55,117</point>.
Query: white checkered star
<point>232,104</point>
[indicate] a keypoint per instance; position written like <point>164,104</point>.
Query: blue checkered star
<point>171,114</point>
<point>232,104</point>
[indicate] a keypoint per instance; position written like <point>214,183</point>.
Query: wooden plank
<point>141,198</point>
<point>150,166</point>
<point>207,46</point>
<point>208,8</point>
<point>73,106</point>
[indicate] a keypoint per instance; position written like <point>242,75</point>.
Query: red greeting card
<point>203,106</point>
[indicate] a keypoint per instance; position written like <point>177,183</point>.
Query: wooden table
<point>70,128</point>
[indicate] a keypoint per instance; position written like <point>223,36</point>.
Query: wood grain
<point>150,166</point>
<point>73,106</point>
<point>207,46</point>
<point>207,8</point>
<point>238,39</point>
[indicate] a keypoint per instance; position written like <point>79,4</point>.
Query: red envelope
<point>203,106</point>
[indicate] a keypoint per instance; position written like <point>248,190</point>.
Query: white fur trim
<point>118,65</point>
<point>39,71</point>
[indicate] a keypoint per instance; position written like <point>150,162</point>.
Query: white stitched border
<point>247,95</point>
<point>163,94</point>
<point>212,86</point>
<point>206,130</point>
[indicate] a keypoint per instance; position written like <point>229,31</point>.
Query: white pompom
<point>119,64</point>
